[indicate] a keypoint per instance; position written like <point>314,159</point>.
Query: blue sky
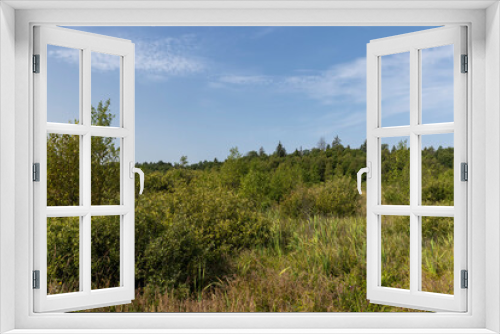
<point>202,90</point>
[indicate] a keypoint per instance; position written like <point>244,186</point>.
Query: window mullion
<point>86,180</point>
<point>415,244</point>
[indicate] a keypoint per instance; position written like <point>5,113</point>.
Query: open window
<point>404,110</point>
<point>70,208</point>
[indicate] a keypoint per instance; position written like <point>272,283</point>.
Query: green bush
<point>335,197</point>
<point>202,225</point>
<point>63,254</point>
<point>63,248</point>
<point>255,187</point>
<point>438,189</point>
<point>338,197</point>
<point>299,204</point>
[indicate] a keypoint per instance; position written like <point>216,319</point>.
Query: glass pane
<point>437,169</point>
<point>63,96</point>
<point>395,251</point>
<point>105,252</point>
<point>395,171</point>
<point>105,171</point>
<point>437,84</point>
<point>105,89</point>
<point>437,254</point>
<point>63,170</point>
<point>395,89</point>
<point>63,255</point>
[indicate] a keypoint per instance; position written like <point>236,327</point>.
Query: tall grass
<point>308,265</point>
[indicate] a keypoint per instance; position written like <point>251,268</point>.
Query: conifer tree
<point>280,150</point>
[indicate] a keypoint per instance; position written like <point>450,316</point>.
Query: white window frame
<point>86,44</point>
<point>483,21</point>
<point>413,44</point>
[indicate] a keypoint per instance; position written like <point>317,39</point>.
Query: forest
<point>258,232</point>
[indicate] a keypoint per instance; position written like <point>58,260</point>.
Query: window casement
<point>86,131</point>
<point>410,48</point>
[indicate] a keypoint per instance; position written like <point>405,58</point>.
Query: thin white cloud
<point>71,56</point>
<point>104,62</point>
<point>246,79</point>
<point>437,84</point>
<point>343,81</point>
<point>169,57</point>
<point>157,59</point>
<point>342,88</point>
<point>395,87</point>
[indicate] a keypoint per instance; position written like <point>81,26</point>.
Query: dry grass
<point>315,265</point>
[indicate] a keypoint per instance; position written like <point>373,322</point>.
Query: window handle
<point>368,171</point>
<point>134,170</point>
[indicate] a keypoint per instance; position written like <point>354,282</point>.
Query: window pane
<point>63,96</point>
<point>105,252</point>
<point>395,171</point>
<point>105,171</point>
<point>437,84</point>
<point>395,251</point>
<point>437,169</point>
<point>63,170</point>
<point>395,89</point>
<point>105,89</point>
<point>63,255</point>
<point>437,254</point>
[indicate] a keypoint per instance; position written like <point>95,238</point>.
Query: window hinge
<point>464,171</point>
<point>36,63</point>
<point>465,64</point>
<point>36,172</point>
<point>465,279</point>
<point>36,279</point>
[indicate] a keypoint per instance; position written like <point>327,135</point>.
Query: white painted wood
<point>427,129</point>
<point>86,298</point>
<point>406,210</point>
<point>248,4</point>
<point>415,244</point>
<point>471,322</point>
<point>94,210</point>
<point>413,43</point>
<point>78,129</point>
<point>491,163</point>
<point>419,129</point>
<point>256,331</point>
<point>7,167</point>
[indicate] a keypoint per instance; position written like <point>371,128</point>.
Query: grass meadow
<point>277,232</point>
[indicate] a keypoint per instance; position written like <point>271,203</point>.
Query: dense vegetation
<point>255,232</point>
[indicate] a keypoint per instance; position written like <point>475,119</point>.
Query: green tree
<point>262,153</point>
<point>63,188</point>
<point>105,160</point>
<point>63,170</point>
<point>233,169</point>
<point>280,150</point>
<point>337,143</point>
<point>183,162</point>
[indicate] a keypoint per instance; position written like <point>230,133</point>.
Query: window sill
<point>249,331</point>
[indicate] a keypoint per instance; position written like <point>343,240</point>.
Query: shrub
<point>167,181</point>
<point>438,190</point>
<point>338,197</point>
<point>335,197</point>
<point>203,224</point>
<point>255,187</point>
<point>299,204</point>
